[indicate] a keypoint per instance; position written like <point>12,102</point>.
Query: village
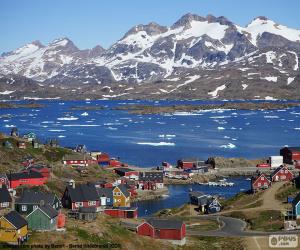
<point>36,196</point>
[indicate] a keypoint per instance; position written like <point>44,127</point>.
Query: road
<point>232,227</point>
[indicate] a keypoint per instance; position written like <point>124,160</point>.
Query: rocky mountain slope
<point>197,57</point>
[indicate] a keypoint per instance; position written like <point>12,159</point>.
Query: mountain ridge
<point>190,54</point>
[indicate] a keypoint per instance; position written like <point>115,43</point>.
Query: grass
<point>214,243</point>
<point>269,221</point>
<point>205,225</point>
<point>255,204</point>
<point>285,191</point>
<point>88,237</point>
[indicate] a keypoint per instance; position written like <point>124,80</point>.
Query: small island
<point>150,109</point>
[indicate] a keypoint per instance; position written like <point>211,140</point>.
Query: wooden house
<point>80,195</point>
<point>296,206</point>
<point>5,198</point>
<point>30,137</point>
<point>43,218</point>
<point>191,163</point>
<point>167,229</point>
<point>206,203</point>
<point>13,228</point>
<point>151,180</point>
<point>121,196</point>
<point>105,196</point>
<point>21,144</point>
<point>81,149</point>
<point>290,154</point>
<point>31,178</point>
<point>43,170</point>
<point>14,132</point>
<point>29,200</point>
<point>282,173</point>
<point>259,182</point>
<point>7,145</point>
<point>80,160</point>
<point>128,173</point>
<point>122,212</point>
<point>4,180</point>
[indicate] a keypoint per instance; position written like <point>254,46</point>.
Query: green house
<point>29,200</point>
<point>43,218</point>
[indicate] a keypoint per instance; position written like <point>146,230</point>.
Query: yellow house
<point>13,228</point>
<point>121,196</point>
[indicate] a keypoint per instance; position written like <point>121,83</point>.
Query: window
<point>51,221</point>
<point>35,207</point>
<point>108,199</point>
<point>78,204</point>
<point>92,203</point>
<point>262,178</point>
<point>24,208</point>
<point>4,204</point>
<point>259,184</point>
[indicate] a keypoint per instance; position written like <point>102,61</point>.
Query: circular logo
<point>273,241</point>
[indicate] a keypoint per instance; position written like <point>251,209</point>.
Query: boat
<point>248,179</point>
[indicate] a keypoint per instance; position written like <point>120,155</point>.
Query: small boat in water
<point>248,179</point>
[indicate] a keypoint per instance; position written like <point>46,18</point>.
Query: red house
<point>80,196</point>
<point>122,212</point>
<point>30,178</point>
<point>260,182</point>
<point>78,160</point>
<point>43,170</point>
<point>282,174</point>
<point>290,154</point>
<point>151,180</point>
<point>167,229</point>
<point>190,163</point>
<point>128,173</point>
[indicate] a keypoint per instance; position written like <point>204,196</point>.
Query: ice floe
<point>156,144</point>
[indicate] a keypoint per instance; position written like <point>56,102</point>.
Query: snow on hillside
<point>260,25</point>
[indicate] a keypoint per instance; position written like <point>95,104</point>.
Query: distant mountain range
<point>197,57</point>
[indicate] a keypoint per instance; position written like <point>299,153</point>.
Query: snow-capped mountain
<point>210,56</point>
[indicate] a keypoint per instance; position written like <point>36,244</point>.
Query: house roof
<point>165,223</point>
<point>4,194</point>
<point>77,157</point>
<point>105,192</point>
<point>83,192</point>
<point>87,210</point>
<point>196,194</point>
<point>15,219</point>
<point>151,176</point>
<point>296,200</point>
<point>124,189</point>
<point>47,210</point>
<point>124,170</point>
<point>293,148</point>
<point>276,171</point>
<point>255,178</point>
<point>191,160</point>
<point>27,175</point>
<point>30,196</point>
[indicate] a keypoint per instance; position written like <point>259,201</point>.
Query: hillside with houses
<point>72,195</point>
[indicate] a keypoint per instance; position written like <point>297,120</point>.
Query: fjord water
<point>147,140</point>
<point>179,195</point>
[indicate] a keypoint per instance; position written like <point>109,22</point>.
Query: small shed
<point>168,229</point>
<point>21,144</point>
<point>122,212</point>
<point>43,218</point>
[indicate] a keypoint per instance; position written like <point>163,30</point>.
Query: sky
<point>100,22</point>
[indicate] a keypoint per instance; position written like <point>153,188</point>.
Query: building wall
<point>120,200</point>
<point>172,234</point>
<point>39,221</point>
<point>9,234</point>
<point>283,175</point>
<point>146,230</point>
<point>30,182</point>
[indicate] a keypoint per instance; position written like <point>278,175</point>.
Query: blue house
<point>106,196</point>
<point>296,206</point>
